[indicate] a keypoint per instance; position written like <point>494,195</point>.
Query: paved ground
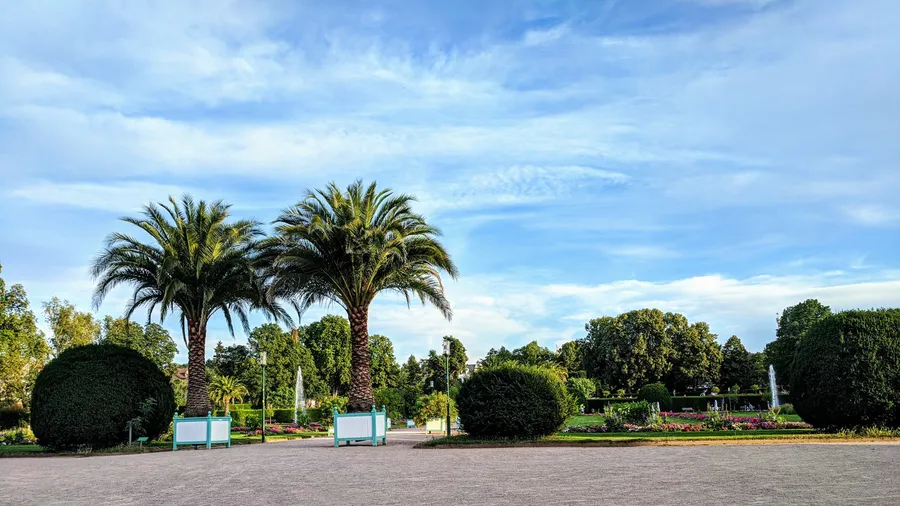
<point>313,472</point>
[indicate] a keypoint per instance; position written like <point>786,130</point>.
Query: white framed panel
<point>191,431</point>
<point>221,430</point>
<point>353,426</point>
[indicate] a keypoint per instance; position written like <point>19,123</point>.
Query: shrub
<point>434,406</point>
<point>636,413</point>
<point>315,414</point>
<point>656,392</point>
<point>581,389</point>
<point>846,370</point>
<point>87,395</point>
<point>12,417</point>
<point>787,409</point>
<point>327,406</point>
<point>392,400</point>
<point>284,415</point>
<point>513,401</point>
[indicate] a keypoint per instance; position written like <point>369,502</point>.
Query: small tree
<point>224,389</point>
<point>434,406</point>
<point>581,389</point>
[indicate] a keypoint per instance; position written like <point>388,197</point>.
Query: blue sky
<point>719,158</point>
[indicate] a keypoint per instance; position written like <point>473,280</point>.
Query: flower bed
<point>756,424</point>
<point>21,436</point>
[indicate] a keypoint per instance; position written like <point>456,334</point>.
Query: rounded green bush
<point>846,370</point>
<point>656,392</point>
<point>87,395</point>
<point>512,401</point>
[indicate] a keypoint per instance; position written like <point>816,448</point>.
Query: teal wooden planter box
<point>367,427</point>
<point>208,430</point>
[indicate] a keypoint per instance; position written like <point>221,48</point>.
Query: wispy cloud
<point>712,136</point>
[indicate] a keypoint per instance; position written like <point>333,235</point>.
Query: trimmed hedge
<point>656,392</point>
<point>513,401</point>
<point>12,417</point>
<point>846,370</point>
<point>86,396</point>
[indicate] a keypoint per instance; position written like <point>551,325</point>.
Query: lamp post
<point>263,362</point>
<point>447,371</point>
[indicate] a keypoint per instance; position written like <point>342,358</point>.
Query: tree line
<point>334,246</point>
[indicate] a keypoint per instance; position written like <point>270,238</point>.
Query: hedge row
<point>239,416</point>
<point>12,417</point>
<point>695,402</point>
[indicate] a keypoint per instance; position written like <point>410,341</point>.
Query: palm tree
<point>223,389</point>
<point>345,248</point>
<point>195,263</point>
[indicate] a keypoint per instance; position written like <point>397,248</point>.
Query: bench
<point>687,410</point>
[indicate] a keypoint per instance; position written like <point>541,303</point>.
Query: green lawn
<point>586,420</point>
<point>17,449</point>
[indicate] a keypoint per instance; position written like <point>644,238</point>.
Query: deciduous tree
<point>70,327</point>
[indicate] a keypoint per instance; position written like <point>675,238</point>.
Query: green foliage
<point>793,324</point>
<point>656,392</point>
<point>411,375</point>
<point>88,394</point>
<point>284,415</point>
<point>348,246</point>
<point>151,341</point>
<point>696,356</point>
<point>569,357</point>
<point>787,409</point>
<point>737,364</point>
<point>229,361</point>
<point>434,406</point>
<point>23,350</point>
<point>846,370</point>
<point>714,389</point>
<point>534,354</point>
<point>635,413</point>
<point>497,357</point>
<point>435,370</point>
<point>284,356</point>
<point>69,326</point>
<point>179,387</point>
<point>224,389</point>
<point>630,349</point>
<point>194,262</point>
<point>328,340</point>
<point>581,389</point>
<point>613,423</point>
<point>384,369</point>
<point>326,408</point>
<point>12,417</point>
<point>392,400</point>
<point>513,401</point>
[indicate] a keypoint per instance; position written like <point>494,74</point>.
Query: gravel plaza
<point>313,472</point>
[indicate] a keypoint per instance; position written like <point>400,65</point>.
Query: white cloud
<point>116,197</point>
<point>872,215</point>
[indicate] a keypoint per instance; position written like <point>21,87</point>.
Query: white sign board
<point>191,432</point>
<point>221,430</point>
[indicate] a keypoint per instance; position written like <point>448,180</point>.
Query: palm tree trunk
<point>197,396</point>
<point>361,398</point>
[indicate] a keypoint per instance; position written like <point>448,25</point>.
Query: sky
<point>719,158</point>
